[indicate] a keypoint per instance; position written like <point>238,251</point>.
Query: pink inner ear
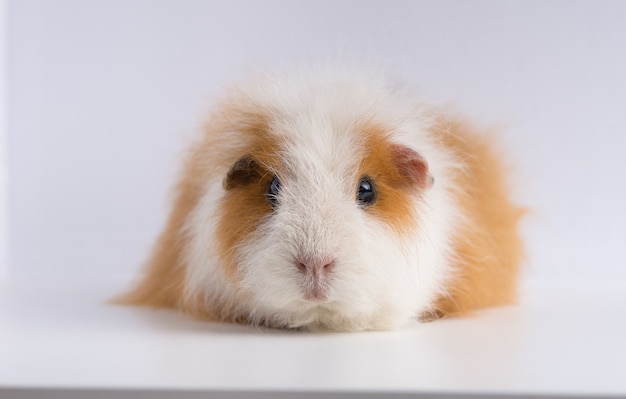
<point>411,165</point>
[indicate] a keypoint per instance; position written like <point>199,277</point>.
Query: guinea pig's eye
<point>272,191</point>
<point>366,194</point>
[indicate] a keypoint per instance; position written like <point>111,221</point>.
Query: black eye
<point>366,194</point>
<point>272,191</point>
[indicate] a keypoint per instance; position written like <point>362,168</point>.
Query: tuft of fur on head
<point>270,225</point>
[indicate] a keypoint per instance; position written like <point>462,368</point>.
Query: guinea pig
<point>334,201</point>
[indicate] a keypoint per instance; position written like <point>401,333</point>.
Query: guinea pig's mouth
<point>318,304</point>
<point>316,293</point>
<point>316,296</point>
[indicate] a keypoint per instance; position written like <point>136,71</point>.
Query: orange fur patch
<point>242,209</point>
<point>488,248</point>
<point>163,282</point>
<point>394,182</point>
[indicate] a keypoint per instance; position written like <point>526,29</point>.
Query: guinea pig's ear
<point>411,165</point>
<point>243,172</point>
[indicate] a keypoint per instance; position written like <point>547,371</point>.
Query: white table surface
<point>562,339</point>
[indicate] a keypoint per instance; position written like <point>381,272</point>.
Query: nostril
<point>301,266</point>
<point>328,266</point>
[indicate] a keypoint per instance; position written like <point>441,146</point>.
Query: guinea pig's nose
<point>319,267</point>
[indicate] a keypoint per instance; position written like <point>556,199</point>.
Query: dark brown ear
<point>243,172</point>
<point>411,165</point>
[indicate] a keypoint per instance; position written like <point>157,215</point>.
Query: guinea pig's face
<point>317,210</point>
<point>317,226</point>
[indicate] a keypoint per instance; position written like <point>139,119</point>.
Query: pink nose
<point>317,267</point>
<point>315,276</point>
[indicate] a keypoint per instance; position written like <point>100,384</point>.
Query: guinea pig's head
<point>314,218</point>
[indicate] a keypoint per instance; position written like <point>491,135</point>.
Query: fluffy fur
<point>421,250</point>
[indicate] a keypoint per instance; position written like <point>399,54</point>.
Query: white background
<point>104,94</point>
